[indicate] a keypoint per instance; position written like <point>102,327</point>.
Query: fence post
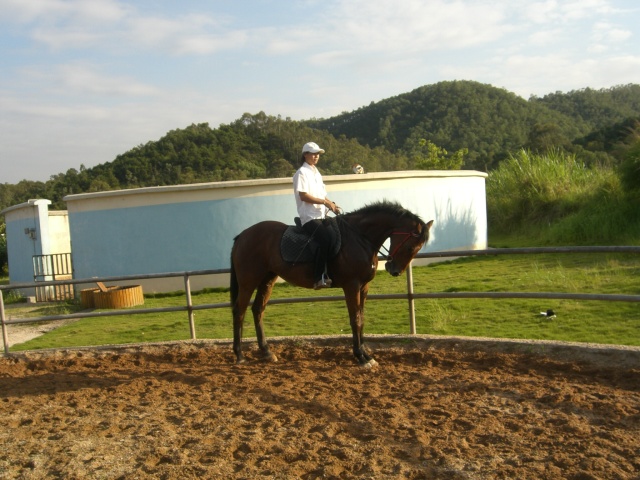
<point>5,336</point>
<point>412,310</point>
<point>187,290</point>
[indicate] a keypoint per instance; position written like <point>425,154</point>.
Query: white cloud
<point>31,10</point>
<point>82,79</point>
<point>545,37</point>
<point>610,33</point>
<point>415,25</point>
<point>185,35</point>
<point>76,81</point>
<point>41,111</point>
<point>563,11</point>
<point>59,11</point>
<point>623,68</point>
<point>111,26</point>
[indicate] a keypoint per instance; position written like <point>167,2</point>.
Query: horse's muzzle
<point>391,268</point>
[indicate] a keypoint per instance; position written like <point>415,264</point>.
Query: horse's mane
<point>387,207</point>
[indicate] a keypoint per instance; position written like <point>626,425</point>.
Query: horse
<point>257,262</point>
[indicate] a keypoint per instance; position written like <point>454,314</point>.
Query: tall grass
<point>557,200</point>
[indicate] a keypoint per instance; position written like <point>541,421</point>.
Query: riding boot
<point>319,232</point>
<point>321,277</point>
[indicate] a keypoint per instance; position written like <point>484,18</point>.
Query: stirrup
<point>324,282</point>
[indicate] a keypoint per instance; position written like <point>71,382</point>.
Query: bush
<point>538,188</point>
<point>557,199</point>
<point>630,169</point>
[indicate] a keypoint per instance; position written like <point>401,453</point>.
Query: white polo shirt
<point>308,179</point>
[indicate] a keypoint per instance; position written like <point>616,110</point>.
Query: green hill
<point>490,122</point>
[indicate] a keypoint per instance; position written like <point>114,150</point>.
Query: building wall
<point>59,238</point>
<point>191,227</point>
<point>27,235</point>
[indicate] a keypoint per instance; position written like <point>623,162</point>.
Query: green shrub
<point>630,169</point>
<point>12,296</point>
<point>557,199</point>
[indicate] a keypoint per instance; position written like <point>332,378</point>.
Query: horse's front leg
<point>364,290</point>
<point>353,297</point>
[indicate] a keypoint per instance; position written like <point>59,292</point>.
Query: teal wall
<point>166,238</point>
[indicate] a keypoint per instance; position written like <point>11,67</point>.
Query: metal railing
<point>410,295</point>
<point>57,266</point>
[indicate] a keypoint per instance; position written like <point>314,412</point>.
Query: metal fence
<point>410,295</point>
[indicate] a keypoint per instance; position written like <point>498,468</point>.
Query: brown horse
<point>256,263</point>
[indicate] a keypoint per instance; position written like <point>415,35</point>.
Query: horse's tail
<point>233,280</point>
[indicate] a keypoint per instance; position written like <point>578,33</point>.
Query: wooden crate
<point>118,297</point>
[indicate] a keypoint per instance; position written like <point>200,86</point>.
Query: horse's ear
<point>429,224</point>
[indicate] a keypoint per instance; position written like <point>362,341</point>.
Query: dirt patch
<point>434,408</point>
<point>22,332</point>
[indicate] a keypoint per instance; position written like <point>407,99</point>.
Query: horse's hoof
<point>369,364</point>
<point>272,358</point>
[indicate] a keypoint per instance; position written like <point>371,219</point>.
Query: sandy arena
<point>435,408</point>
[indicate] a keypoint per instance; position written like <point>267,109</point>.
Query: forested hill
<point>487,122</point>
<point>490,122</point>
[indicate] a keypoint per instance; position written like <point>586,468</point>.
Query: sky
<point>82,81</point>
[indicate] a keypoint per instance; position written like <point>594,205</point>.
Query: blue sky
<point>85,80</point>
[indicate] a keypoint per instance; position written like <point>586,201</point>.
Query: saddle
<point>298,247</point>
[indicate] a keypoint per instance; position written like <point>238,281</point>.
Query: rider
<point>313,204</point>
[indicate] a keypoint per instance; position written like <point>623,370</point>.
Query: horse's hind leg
<point>239,309</point>
<point>259,303</point>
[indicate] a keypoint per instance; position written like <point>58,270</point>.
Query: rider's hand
<point>333,207</point>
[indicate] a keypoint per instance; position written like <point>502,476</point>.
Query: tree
<point>546,136</point>
<point>429,156</point>
<point>280,168</point>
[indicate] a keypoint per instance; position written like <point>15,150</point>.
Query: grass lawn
<point>579,321</point>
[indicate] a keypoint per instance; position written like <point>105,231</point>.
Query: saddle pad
<point>297,247</point>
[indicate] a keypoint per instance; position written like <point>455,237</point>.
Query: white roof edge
<point>277,181</point>
<point>29,203</point>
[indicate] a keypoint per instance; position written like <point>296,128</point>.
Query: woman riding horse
<point>256,263</point>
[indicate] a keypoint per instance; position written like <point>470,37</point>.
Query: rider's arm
<point>308,198</point>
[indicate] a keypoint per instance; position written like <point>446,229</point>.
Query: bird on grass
<point>549,314</point>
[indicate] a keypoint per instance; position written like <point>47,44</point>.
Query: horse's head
<point>406,242</point>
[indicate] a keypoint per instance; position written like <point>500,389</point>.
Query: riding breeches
<point>325,237</point>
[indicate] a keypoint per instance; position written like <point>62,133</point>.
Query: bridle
<point>389,256</point>
<point>407,236</point>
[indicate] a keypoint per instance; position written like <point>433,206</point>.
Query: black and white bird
<point>549,314</point>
